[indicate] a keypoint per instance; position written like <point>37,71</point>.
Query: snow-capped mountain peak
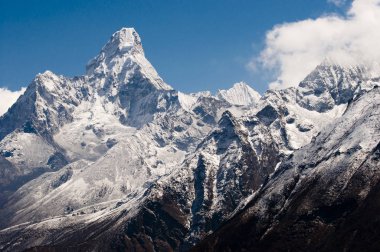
<point>47,79</point>
<point>47,73</point>
<point>126,40</point>
<point>240,94</point>
<point>330,84</point>
<point>122,59</point>
<point>117,160</point>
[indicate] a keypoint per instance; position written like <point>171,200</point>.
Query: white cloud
<point>292,50</point>
<point>8,97</point>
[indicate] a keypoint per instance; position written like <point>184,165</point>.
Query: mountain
<point>122,61</point>
<point>239,94</point>
<point>117,116</point>
<point>329,85</point>
<point>117,159</point>
<point>323,197</point>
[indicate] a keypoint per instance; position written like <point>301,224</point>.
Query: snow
<point>240,94</point>
<point>187,101</point>
<point>94,123</point>
<point>317,120</point>
<point>49,80</point>
<point>162,138</point>
<point>121,57</point>
<point>336,154</point>
<point>28,150</point>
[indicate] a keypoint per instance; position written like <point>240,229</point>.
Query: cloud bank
<point>7,98</point>
<point>292,50</point>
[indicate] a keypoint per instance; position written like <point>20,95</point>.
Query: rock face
<point>118,160</point>
<point>324,197</point>
<point>329,85</point>
<point>228,166</point>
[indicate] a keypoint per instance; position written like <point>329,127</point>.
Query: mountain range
<point>117,160</point>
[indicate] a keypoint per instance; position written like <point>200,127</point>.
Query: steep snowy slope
<point>117,159</point>
<point>125,125</point>
<point>27,129</point>
<point>239,94</point>
<point>292,125</point>
<point>123,59</point>
<point>329,85</point>
<point>171,213</point>
<point>45,106</point>
<point>324,197</point>
<point>43,130</point>
<point>228,166</point>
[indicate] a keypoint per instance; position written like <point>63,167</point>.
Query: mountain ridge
<point>331,194</point>
<point>118,150</point>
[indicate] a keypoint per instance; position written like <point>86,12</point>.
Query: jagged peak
<point>241,84</point>
<point>123,43</point>
<point>332,70</point>
<point>227,114</point>
<point>239,94</point>
<point>123,57</point>
<point>47,73</point>
<point>47,79</point>
<point>329,62</point>
<point>126,40</point>
<point>227,118</point>
<point>330,84</point>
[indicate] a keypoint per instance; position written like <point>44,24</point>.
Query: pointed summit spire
<point>123,43</point>
<point>239,94</point>
<point>127,40</point>
<point>123,57</point>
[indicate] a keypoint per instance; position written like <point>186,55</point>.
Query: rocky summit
<point>118,160</point>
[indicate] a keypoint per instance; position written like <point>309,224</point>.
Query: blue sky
<point>194,45</point>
